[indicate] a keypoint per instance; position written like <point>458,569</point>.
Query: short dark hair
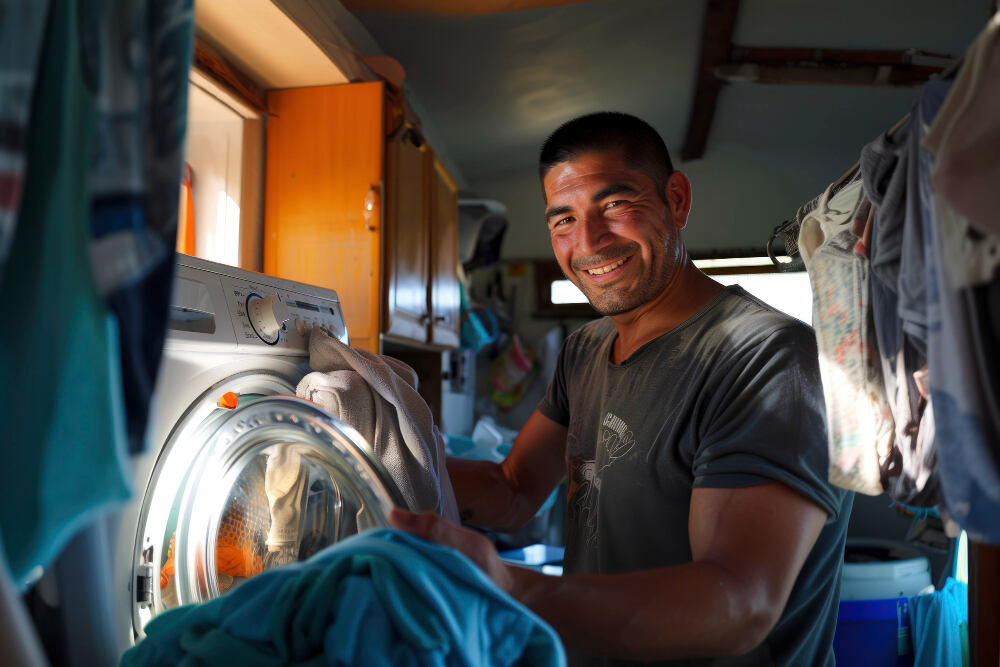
<point>606,130</point>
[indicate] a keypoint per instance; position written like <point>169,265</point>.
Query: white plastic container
<point>894,570</point>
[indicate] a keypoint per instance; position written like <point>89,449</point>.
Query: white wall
<point>214,151</point>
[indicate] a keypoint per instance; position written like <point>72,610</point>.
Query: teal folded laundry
<point>382,597</point>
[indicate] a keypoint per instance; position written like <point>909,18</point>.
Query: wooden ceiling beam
<point>781,55</point>
<point>830,67</point>
<point>716,42</point>
<point>826,74</point>
<point>449,7</point>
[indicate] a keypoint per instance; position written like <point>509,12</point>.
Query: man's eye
<point>561,221</point>
<point>613,204</point>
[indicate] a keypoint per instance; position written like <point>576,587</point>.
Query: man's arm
<point>748,546</point>
<point>504,496</point>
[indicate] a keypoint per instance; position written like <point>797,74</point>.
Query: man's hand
<point>475,546</point>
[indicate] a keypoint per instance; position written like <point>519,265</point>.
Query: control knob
<point>267,315</point>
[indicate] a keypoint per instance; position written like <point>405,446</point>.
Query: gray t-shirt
<point>728,399</point>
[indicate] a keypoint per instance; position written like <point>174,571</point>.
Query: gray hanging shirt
<point>728,399</point>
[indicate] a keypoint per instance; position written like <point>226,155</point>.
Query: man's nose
<point>594,233</point>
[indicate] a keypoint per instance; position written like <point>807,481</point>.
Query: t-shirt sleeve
<point>555,403</point>
<point>766,421</point>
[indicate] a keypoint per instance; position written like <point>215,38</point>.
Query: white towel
<point>378,396</point>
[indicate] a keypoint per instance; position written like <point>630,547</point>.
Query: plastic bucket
<point>873,633</point>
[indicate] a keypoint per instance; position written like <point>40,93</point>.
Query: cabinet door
<point>444,295</point>
<point>325,148</point>
<point>407,237</point>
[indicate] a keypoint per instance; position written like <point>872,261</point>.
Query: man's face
<point>612,231</point>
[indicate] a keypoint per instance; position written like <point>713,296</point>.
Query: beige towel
<point>377,395</point>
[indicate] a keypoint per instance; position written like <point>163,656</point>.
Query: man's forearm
<point>684,611</point>
<point>485,497</point>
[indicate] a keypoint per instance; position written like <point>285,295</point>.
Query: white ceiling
<point>264,43</point>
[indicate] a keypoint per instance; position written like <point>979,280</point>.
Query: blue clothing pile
<point>382,597</point>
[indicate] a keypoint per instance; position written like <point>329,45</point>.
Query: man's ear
<point>678,197</point>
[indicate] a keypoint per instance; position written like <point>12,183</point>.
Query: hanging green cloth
<point>60,383</point>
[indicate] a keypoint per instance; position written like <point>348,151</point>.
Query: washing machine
<point>239,476</point>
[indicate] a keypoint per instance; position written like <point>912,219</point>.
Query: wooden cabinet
<point>407,253</point>
<point>444,294</point>
<point>333,162</point>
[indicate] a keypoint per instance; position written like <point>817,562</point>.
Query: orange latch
<point>229,400</point>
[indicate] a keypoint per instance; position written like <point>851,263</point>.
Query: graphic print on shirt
<point>615,441</point>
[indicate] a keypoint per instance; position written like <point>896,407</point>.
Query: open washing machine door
<point>239,491</point>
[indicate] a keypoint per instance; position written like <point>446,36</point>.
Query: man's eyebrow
<point>556,210</point>
<point>612,189</point>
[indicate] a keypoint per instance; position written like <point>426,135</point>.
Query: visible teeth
<point>605,269</point>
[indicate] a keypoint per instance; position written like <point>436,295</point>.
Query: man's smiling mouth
<point>601,270</point>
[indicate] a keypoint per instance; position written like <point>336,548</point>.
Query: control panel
<point>267,314</point>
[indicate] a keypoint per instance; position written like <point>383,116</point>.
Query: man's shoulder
<point>742,315</point>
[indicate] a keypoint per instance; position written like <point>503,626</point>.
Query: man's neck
<point>684,296</point>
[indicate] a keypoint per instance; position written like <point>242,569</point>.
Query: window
<point>555,296</point>
<point>564,291</point>
<point>788,292</point>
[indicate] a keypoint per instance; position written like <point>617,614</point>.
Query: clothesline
<point>788,230</point>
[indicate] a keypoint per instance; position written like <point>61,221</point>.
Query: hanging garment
<point>965,136</point>
<point>383,597</point>
<point>22,26</point>
<point>963,337</point>
<point>859,425</point>
<point>61,397</point>
<point>135,57</point>
<point>884,173</point>
<point>377,395</point>
<point>939,626</point>
<point>890,173</point>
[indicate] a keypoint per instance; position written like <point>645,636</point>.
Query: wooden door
<point>325,150</point>
<point>444,294</point>
<point>407,236</point>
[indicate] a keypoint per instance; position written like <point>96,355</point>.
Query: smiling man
<point>689,421</point>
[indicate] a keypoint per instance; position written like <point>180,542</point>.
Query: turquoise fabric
<point>380,598</point>
<point>60,393</point>
<point>939,626</point>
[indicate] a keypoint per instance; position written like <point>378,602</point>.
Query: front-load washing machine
<point>239,475</point>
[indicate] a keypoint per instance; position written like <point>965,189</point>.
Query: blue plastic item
<point>459,445</point>
<point>479,328</point>
<point>873,633</point>
<point>534,554</point>
<point>940,626</point>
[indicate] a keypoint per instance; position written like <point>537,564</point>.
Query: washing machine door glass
<point>275,481</point>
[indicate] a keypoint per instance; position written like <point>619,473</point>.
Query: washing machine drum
<point>247,490</point>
